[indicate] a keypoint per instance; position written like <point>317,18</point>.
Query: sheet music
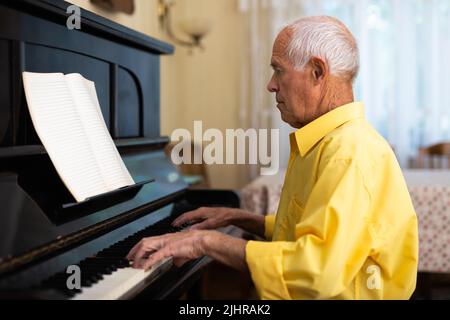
<point>67,117</point>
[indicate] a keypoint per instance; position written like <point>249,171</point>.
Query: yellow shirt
<point>345,226</point>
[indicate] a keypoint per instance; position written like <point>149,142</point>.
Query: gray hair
<point>327,38</point>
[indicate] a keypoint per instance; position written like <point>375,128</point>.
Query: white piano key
<point>124,283</point>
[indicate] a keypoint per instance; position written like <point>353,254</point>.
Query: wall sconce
<point>196,29</point>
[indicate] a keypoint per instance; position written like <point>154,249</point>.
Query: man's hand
<point>206,218</point>
<point>181,246</point>
<point>189,245</point>
<point>213,218</point>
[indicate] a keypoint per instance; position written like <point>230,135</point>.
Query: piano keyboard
<point>108,274</point>
<point>124,283</point>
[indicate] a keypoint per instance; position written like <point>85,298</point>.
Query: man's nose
<point>272,85</point>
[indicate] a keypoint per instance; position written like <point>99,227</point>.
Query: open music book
<point>67,117</point>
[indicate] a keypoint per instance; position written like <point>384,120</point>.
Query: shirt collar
<point>306,137</point>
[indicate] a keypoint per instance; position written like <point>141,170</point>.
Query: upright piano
<point>42,233</point>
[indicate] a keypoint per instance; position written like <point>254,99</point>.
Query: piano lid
<point>56,10</point>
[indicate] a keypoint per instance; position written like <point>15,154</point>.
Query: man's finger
<point>147,245</point>
<point>180,261</point>
<point>132,253</point>
<point>201,226</point>
<point>155,258</point>
<point>188,217</point>
<point>138,256</point>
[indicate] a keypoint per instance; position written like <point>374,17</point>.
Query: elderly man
<point>345,227</point>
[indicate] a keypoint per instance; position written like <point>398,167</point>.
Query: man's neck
<point>337,93</point>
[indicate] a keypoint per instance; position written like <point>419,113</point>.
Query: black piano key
<point>94,276</point>
<point>86,283</point>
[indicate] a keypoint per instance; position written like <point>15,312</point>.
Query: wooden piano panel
<point>129,105</point>
<point>45,59</point>
<point>124,65</point>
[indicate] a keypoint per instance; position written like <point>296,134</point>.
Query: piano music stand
<point>99,202</point>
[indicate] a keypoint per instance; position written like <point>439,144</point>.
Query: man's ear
<point>319,68</point>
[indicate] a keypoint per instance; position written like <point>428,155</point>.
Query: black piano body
<point>39,237</point>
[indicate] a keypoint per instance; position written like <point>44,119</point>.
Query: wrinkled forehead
<point>282,40</point>
<point>281,43</point>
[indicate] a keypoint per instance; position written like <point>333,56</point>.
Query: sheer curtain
<point>404,79</point>
<point>264,19</point>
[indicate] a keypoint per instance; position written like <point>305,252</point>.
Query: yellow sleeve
<point>332,241</point>
<point>269,222</point>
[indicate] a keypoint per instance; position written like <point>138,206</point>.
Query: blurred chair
<point>195,175</point>
<point>436,156</point>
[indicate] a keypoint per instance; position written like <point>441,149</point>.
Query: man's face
<point>295,90</point>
